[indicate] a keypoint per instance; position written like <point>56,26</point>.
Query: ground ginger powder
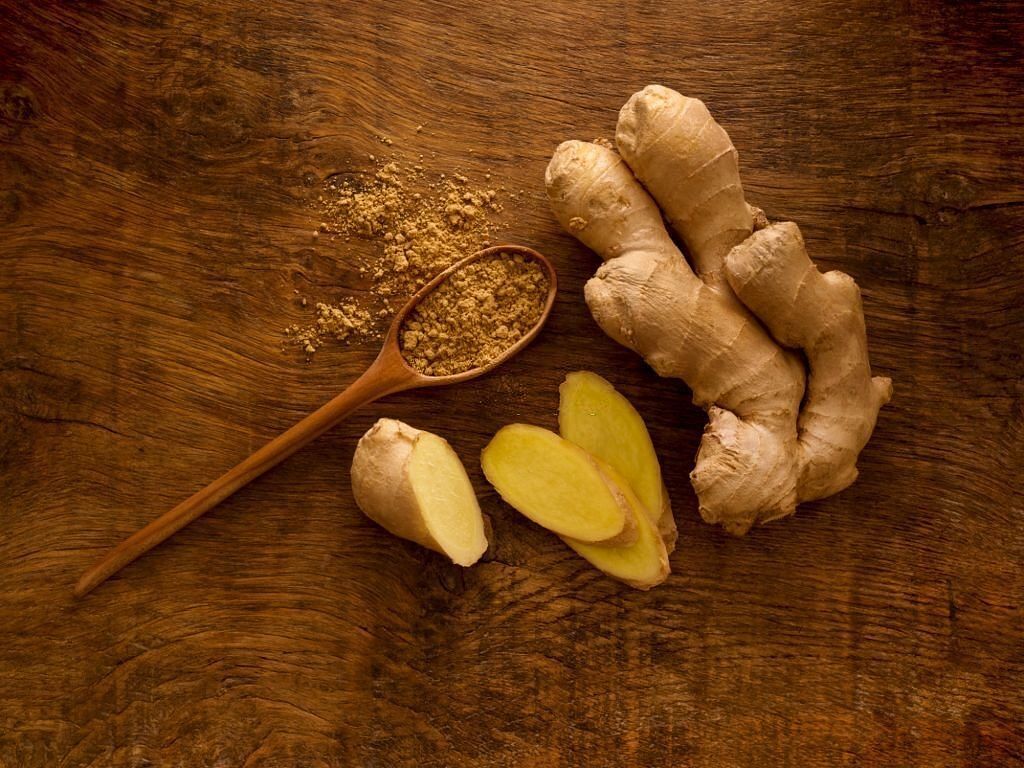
<point>474,315</point>
<point>333,321</point>
<point>418,225</point>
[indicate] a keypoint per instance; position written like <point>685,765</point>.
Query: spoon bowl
<point>392,347</point>
<point>390,372</point>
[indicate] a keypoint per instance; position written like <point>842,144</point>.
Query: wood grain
<point>156,166</point>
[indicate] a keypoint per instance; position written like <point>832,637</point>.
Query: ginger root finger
<point>823,315</point>
<point>413,484</point>
<point>646,297</point>
<point>600,420</point>
<point>558,485</point>
<point>689,166</point>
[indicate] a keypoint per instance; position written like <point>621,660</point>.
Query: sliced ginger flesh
<point>597,418</point>
<point>642,564</point>
<point>553,482</point>
<point>446,499</point>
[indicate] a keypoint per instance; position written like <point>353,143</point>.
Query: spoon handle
<point>381,378</point>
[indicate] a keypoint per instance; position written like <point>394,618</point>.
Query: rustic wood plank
<point>156,164</point>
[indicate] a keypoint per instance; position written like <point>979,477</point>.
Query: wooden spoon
<point>388,374</point>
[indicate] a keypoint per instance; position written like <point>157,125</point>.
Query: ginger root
<point>596,417</point>
<point>558,485</point>
<point>413,484</point>
<point>728,325</point>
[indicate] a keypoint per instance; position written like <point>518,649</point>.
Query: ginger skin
<point>755,462</point>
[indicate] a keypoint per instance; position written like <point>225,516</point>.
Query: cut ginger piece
<point>414,485</point>
<point>600,420</point>
<point>558,485</point>
<point>643,564</point>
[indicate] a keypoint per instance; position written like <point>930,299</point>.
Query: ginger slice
<point>558,485</point>
<point>643,564</point>
<point>600,420</point>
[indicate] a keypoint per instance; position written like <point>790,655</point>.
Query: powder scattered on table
<point>417,224</point>
<point>334,321</point>
<point>474,315</point>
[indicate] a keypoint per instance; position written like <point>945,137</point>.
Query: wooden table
<point>156,165</point>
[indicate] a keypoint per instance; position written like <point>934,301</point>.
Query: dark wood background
<point>156,161</point>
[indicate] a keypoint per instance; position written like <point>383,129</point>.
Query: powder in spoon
<point>475,315</point>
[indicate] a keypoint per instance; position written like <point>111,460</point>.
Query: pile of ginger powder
<point>417,225</point>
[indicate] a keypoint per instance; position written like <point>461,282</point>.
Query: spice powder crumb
<point>475,315</point>
<point>337,321</point>
<point>419,226</point>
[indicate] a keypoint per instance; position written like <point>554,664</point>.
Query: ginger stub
<point>414,485</point>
